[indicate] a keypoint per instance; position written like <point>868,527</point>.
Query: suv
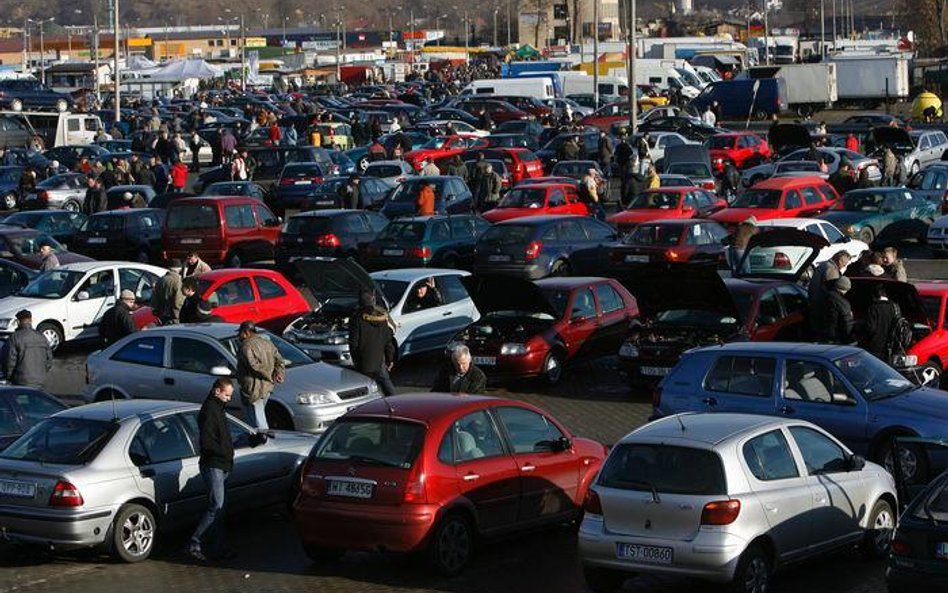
<point>132,234</point>
<point>437,241</point>
<point>325,233</point>
<point>32,94</point>
<point>229,230</point>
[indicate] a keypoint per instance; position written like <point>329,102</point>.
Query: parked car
<point>730,498</point>
<point>420,325</point>
<point>821,228</point>
<point>222,230</point>
<point>132,234</point>
<point>189,358</point>
<point>236,188</point>
<point>683,240</point>
<point>66,191</point>
<point>22,245</point>
<point>799,169</point>
<point>533,247</point>
<point>438,241</point>
<point>884,214</point>
<point>829,157</point>
<point>60,224</point>
<point>916,148</point>
<point>588,141</point>
<point>522,163</point>
<point>68,302</point>
<point>25,94</point>
<point>920,545</point>
<point>699,173</point>
<point>14,276</point>
<point>534,329</point>
<point>270,162</point>
<point>345,503</point>
<point>69,156</point>
<point>452,196</point>
<point>326,233</point>
<point>666,180</point>
<point>537,200</point>
<point>741,149</point>
<point>129,473</point>
<point>659,142</point>
<point>9,186</point>
<point>440,147</point>
<point>391,172</point>
<point>21,408</point>
<point>665,203</point>
<point>790,197</point>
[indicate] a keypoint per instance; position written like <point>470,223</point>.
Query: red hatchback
<point>780,197</point>
<point>522,163</point>
<point>675,240</point>
<point>535,200</point>
<point>741,149</point>
<point>434,473</point>
<point>440,147</point>
<point>665,203</point>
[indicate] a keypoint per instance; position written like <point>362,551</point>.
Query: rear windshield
<point>655,200</point>
<point>507,234</point>
<point>664,468</point>
<point>758,198</point>
<point>384,171</point>
<point>103,224</point>
<point>654,234</point>
<point>404,231</point>
<point>688,170</point>
<point>308,225</point>
<point>183,218</point>
<point>302,170</point>
<point>62,441</point>
<point>392,443</point>
<point>721,142</point>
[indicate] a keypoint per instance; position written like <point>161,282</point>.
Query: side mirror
<point>221,371</point>
<point>562,444</point>
<point>256,439</point>
<point>766,320</point>
<point>82,296</point>
<point>856,463</point>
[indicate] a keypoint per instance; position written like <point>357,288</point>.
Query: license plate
<point>96,240</point>
<point>644,554</point>
<point>655,371</point>
<point>324,203</point>
<point>393,252</point>
<point>191,241</point>
<point>941,551</point>
<point>302,183</point>
<point>349,488</point>
<point>17,489</point>
<point>499,258</point>
<point>487,361</point>
<point>636,259</point>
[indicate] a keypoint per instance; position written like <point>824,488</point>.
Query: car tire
<point>604,580</point>
<point>363,164</point>
<point>867,235</point>
<point>914,462</point>
<point>761,115</point>
<point>930,375</point>
<point>16,105</point>
<point>133,533</point>
<point>72,206</point>
<point>752,574</point>
<point>879,527</point>
<point>234,260</point>
<point>278,418</point>
<point>322,554</point>
<point>61,105</point>
<point>559,268</point>
<point>53,334</point>
<point>553,368</point>
<point>452,544</point>
<point>9,201</point>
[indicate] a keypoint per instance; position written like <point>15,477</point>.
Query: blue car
<point>843,389</point>
<point>9,186</point>
<point>452,196</point>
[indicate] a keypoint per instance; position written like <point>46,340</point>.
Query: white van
<point>60,129</point>
<point>664,75</point>
<point>580,83</point>
<point>538,88</point>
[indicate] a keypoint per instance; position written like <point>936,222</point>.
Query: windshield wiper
<point>908,388</point>
<point>372,461</point>
<point>649,485</point>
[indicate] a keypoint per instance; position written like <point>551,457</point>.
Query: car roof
<point>85,266</point>
<point>215,199</point>
<point>569,282</point>
<point>791,222</point>
<point>241,272</point>
<point>123,409</point>
<point>125,212</point>
<point>930,287</point>
<point>426,407</point>
<point>212,330</point>
<point>410,274</point>
<point>711,429</point>
<point>789,182</point>
<point>324,213</point>
<point>784,348</point>
<point>540,220</point>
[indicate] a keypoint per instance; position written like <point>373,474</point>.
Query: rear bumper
<point>525,271</point>
<point>351,526</point>
<point>62,528</point>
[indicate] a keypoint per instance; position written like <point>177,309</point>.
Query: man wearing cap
<point>29,356</point>
<point>259,366</point>
<point>837,325</point>
<point>117,321</point>
<point>167,300</point>
<point>50,261</point>
<point>130,200</point>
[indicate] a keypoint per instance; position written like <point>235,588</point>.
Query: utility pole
<point>496,10</point>
<point>467,32</point>
<point>822,29</point>
<point>95,56</point>
<point>338,50</point>
<point>26,43</point>
<point>596,54</point>
<point>509,43</point>
<point>834,26</point>
<point>633,42</point>
<point>411,49</point>
<point>243,55</point>
<point>116,71</point>
<point>42,56</point>
<point>766,34</point>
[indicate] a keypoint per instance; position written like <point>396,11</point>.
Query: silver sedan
<point>111,474</point>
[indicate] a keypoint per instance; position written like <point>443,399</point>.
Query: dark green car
<point>885,214</point>
<point>443,241</point>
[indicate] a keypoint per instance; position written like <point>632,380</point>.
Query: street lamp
<point>42,22</point>
<point>496,10</point>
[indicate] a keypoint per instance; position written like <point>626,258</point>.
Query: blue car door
<point>739,384</point>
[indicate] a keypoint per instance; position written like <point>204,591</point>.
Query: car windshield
<point>664,468</point>
<point>758,198</point>
<point>721,142</point>
<point>55,181</point>
<point>301,171</point>
<point>573,170</point>
<point>655,200</point>
<point>371,441</point>
<point>863,201</point>
<point>558,299</point>
<point>29,244</point>
<point>873,378</point>
<point>292,356</point>
<point>434,143</point>
<point>54,284</point>
<point>9,175</point>
<point>403,231</point>
<point>507,234</point>
<point>694,318</point>
<point>524,198</point>
<point>689,170</point>
<point>308,225</point>
<point>62,441</point>
<point>392,289</point>
<point>192,217</point>
<point>330,187</point>
<point>654,234</point>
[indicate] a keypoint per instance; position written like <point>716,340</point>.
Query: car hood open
<point>896,138</point>
<point>902,294</point>
<point>786,137</point>
<point>492,293</point>
<point>780,254</point>
<point>666,286</point>
<point>329,277</point>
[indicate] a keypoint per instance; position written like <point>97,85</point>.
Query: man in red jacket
<point>179,175</point>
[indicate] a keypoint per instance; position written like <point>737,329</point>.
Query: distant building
<point>552,22</point>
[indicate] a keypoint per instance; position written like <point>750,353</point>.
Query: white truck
<point>59,129</point>
<point>538,88</point>
<point>667,74</point>
<point>580,83</point>
<point>867,80</point>
<point>810,87</point>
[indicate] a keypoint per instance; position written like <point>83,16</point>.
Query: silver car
<point>393,172</point>
<point>112,474</point>
<point>831,156</point>
<point>729,498</point>
<point>66,191</point>
<point>182,361</point>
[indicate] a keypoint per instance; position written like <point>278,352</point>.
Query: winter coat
<point>472,383</point>
<point>258,362</point>
<point>371,340</point>
<point>215,442</point>
<point>29,357</point>
<point>837,315</point>
<point>167,299</point>
<point>880,320</point>
<point>117,323</point>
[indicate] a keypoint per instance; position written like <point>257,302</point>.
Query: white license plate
<point>393,252</point>
<point>644,554</point>
<point>498,258</point>
<point>941,551</point>
<point>17,489</point>
<point>487,361</point>
<point>191,241</point>
<point>302,183</point>
<point>636,259</point>
<point>97,240</point>
<point>324,203</point>
<point>655,371</point>
<point>349,488</point>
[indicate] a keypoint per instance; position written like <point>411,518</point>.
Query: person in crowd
<point>133,200</point>
<point>708,116</point>
<point>371,342</point>
<point>460,374</point>
<point>429,169</point>
<point>487,187</point>
<point>349,194</point>
<point>589,193</point>
<point>205,313</point>
<point>843,179</point>
<point>425,204</point>
<point>259,367</point>
<point>457,168</point>
<point>826,272</point>
<point>625,165</point>
<point>890,165</point>
<point>893,266</point>
<point>167,300</point>
<point>179,175</point>
<point>652,179</point>
<point>742,236</point>
<point>605,151</point>
<point>195,145</point>
<point>50,261</point>
<point>117,321</point>
<point>194,265</point>
<point>836,313</point>
<point>29,356</point>
<point>881,319</point>
<point>96,199</point>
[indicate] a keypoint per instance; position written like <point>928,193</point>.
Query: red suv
<point>741,149</point>
<point>433,472</point>
<point>225,229</point>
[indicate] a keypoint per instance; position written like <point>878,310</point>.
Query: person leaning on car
<point>167,300</point>
<point>372,342</point>
<point>460,375</point>
<point>117,322</point>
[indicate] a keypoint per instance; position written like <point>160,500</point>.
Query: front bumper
<point>316,419</point>
<point>506,366</point>
<point>352,526</point>
<point>337,354</point>
<point>61,528</point>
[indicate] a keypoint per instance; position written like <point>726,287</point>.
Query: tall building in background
<point>552,22</point>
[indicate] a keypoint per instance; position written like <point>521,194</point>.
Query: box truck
<point>810,87</point>
<point>867,80</point>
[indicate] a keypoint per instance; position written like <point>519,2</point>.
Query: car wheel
<point>234,260</point>
<point>321,554</point>
<point>879,527</point>
<point>71,206</point>
<point>363,164</point>
<point>604,580</point>
<point>278,418</point>
<point>867,235</point>
<point>133,533</point>
<point>761,115</point>
<point>930,375</point>
<point>914,462</point>
<point>560,268</point>
<point>914,169</point>
<point>753,572</point>
<point>61,105</point>
<point>451,545</point>
<point>553,368</point>
<point>9,201</point>
<point>16,105</point>
<point>52,333</point>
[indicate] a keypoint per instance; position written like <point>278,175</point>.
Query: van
<point>737,100</point>
<point>222,230</point>
<point>538,88</point>
<point>580,83</point>
<point>663,74</point>
<point>55,129</point>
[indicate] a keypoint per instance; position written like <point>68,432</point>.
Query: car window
<point>472,437</point>
<point>557,198</point>
<point>195,356</point>
<point>234,292</point>
<point>269,289</point>
<point>148,351</point>
<point>820,454</point>
<point>463,228</point>
<point>792,200</point>
<point>794,300</point>
<point>598,231</point>
<point>832,233</point>
<point>239,217</point>
<point>666,468</point>
<point>811,196</point>
<point>571,231</point>
<point>813,382</point>
<point>528,431</point>
<point>99,285</point>
<point>264,215</point>
<point>160,440</point>
<point>8,422</point>
<point>451,289</point>
<point>609,299</point>
<point>768,457</point>
<point>35,406</point>
<point>742,375</point>
<point>583,305</point>
<point>355,223</point>
<point>440,231</point>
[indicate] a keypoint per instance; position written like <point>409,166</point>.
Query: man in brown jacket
<point>167,298</point>
<point>259,366</point>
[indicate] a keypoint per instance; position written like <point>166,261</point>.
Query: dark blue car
<point>452,196</point>
<point>9,182</point>
<point>21,408</point>
<point>26,94</point>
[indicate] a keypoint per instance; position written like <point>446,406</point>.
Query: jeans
<point>210,524</point>
<point>385,381</point>
<point>255,413</point>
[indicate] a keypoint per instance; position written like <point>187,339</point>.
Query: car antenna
<point>388,404</point>
<point>114,412</point>
<point>680,423</point>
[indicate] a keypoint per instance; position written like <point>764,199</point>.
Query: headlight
<point>315,398</point>
<point>7,323</point>
<point>904,360</point>
<point>336,340</point>
<point>628,350</point>
<point>513,350</point>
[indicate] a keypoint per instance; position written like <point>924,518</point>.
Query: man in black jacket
<point>881,318</point>
<point>117,321</point>
<point>460,375</point>
<point>216,462</point>
<point>372,342</point>
<point>837,326</point>
<point>96,199</point>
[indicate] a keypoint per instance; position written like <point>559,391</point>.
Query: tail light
<point>329,240</point>
<point>709,185</point>
<point>781,261</point>
<point>657,396</point>
<point>43,196</point>
<point>720,512</point>
<point>421,252</point>
<point>415,491</point>
<point>591,503</point>
<point>672,255</point>
<point>286,181</point>
<point>900,547</point>
<point>533,250</point>
<point>65,495</point>
<point>316,179</point>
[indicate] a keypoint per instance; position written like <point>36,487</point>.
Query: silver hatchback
<point>729,498</point>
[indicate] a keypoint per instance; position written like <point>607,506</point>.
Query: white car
<point>821,228</point>
<point>938,236</point>
<point>659,141</point>
<point>68,302</point>
<point>393,172</point>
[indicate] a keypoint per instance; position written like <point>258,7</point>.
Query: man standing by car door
<point>29,356</point>
<point>259,366</point>
<point>372,342</point>
<point>168,299</point>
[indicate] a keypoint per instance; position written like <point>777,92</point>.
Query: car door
<point>770,319</point>
<point>268,229</point>
<point>739,383</point>
<point>556,203</point>
<point>584,323</point>
<point>271,303</point>
<point>549,472</point>
<point>86,305</point>
<point>139,366</point>
<point>423,329</point>
<point>613,320</point>
<point>589,251</point>
<point>235,300</point>
<point>191,367</point>
<point>457,302</point>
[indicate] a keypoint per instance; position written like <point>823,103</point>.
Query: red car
<point>440,147</point>
<point>665,203</point>
<point>741,149</point>
<point>522,163</point>
<point>676,240</point>
<point>782,197</point>
<point>262,296</point>
<point>434,472</point>
<point>535,200</point>
<point>530,329</point>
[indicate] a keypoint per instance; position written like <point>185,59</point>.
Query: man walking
<point>460,376</point>
<point>259,367</point>
<point>168,299</point>
<point>371,342</point>
<point>96,199</point>
<point>29,356</point>
<point>194,265</point>
<point>117,321</point>
<point>50,261</point>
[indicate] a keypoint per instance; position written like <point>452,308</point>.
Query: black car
<point>295,186</point>
<point>62,225</point>
<point>162,200</point>
<point>132,234</point>
<point>918,553</point>
<point>27,94</point>
<point>14,276</point>
<point>326,233</point>
<point>236,188</point>
<point>21,408</point>
<point>15,132</point>
<point>270,161</point>
<point>452,196</point>
<point>437,241</point>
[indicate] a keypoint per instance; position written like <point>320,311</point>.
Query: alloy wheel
<point>756,579</point>
<point>909,463</point>
<point>138,534</point>
<point>882,529</point>
<point>455,546</point>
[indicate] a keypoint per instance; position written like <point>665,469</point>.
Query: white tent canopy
<point>140,63</point>
<point>180,70</point>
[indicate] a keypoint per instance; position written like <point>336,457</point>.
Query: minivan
<point>737,100</point>
<point>221,229</point>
